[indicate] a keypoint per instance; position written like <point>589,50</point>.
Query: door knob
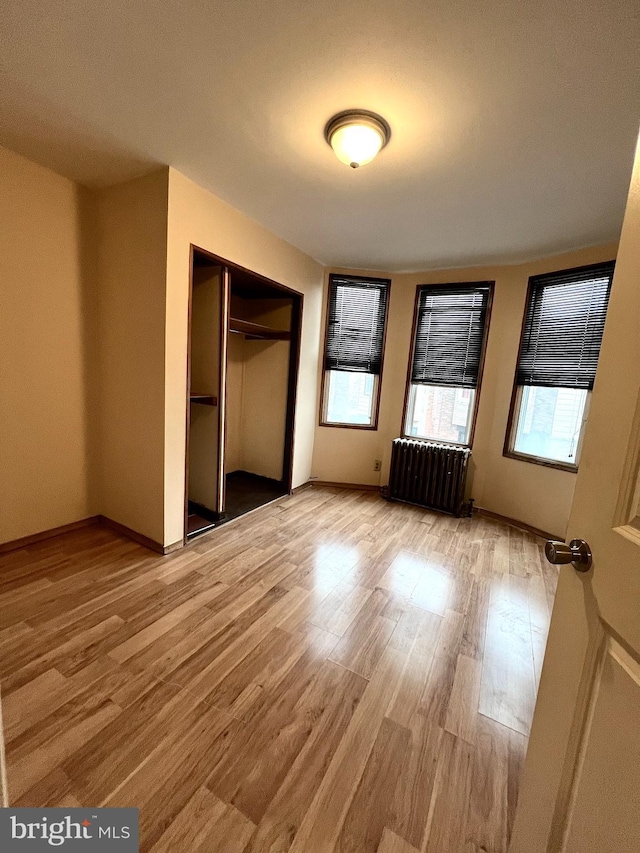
<point>576,552</point>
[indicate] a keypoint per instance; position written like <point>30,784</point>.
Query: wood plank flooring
<point>331,674</point>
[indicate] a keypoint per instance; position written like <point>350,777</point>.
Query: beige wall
<point>93,352</point>
<point>264,407</point>
<point>93,348</point>
<point>233,456</point>
<point>530,493</point>
<point>256,406</point>
<point>257,385</point>
<point>198,217</point>
<point>132,241</point>
<point>45,316</point>
<point>264,396</point>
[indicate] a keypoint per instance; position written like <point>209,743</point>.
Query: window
<point>559,349</point>
<point>451,323</point>
<point>356,321</point>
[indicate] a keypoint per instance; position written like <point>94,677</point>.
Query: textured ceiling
<point>513,122</point>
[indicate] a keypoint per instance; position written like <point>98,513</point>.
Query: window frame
<point>470,285</point>
<point>324,384</point>
<point>516,393</point>
<point>512,423</point>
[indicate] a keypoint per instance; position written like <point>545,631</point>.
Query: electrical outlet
<point>377,465</point>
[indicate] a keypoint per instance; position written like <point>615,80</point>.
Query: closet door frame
<point>297,298</point>
<point>222,357</point>
<point>292,390</point>
<point>225,299</point>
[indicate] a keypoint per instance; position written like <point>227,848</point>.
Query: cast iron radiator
<point>429,474</point>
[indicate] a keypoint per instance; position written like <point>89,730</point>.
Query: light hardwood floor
<point>331,673</point>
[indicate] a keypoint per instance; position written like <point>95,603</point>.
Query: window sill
<point>436,441</point>
<point>349,426</point>
<point>539,460</point>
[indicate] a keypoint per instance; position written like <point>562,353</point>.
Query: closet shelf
<point>256,331</point>
<point>204,399</point>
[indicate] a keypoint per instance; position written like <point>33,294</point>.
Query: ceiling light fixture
<point>356,136</point>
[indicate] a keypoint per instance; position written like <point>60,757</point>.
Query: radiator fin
<point>429,474</point>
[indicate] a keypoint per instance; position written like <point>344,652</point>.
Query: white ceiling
<point>513,121</point>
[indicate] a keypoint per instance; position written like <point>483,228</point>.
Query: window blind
<point>450,328</point>
<point>355,324</point>
<point>563,327</point>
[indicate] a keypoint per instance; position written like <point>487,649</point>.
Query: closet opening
<point>244,346</point>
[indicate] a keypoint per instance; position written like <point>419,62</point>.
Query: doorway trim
<point>293,375</point>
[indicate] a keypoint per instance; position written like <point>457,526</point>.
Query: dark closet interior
<point>244,341</point>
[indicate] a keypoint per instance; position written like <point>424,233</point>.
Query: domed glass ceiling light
<point>356,136</point>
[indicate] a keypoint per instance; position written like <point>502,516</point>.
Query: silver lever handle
<point>576,552</point>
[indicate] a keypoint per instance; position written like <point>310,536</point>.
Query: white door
<point>580,790</point>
